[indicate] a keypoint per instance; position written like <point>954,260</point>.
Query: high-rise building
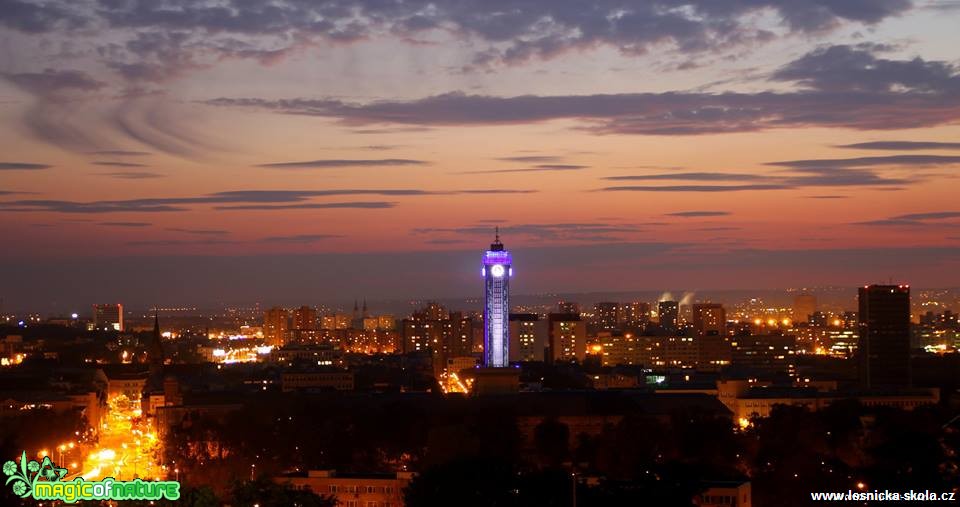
<point>413,332</point>
<point>709,319</point>
<point>636,315</point>
<point>607,315</point>
<point>458,336</point>
<point>567,337</point>
<point>528,337</point>
<point>108,317</point>
<point>497,271</point>
<point>305,318</point>
<point>884,349</point>
<point>386,322</point>
<point>304,325</point>
<point>713,344</point>
<point>436,311</point>
<point>669,312</point>
<point>804,305</point>
<point>276,323</point>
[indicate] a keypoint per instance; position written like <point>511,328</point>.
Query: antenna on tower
<point>497,233</point>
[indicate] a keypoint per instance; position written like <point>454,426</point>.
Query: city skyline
<point>758,146</point>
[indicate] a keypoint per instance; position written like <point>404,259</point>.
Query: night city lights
<point>435,253</point>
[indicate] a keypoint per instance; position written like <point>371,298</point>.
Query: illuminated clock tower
<point>496,305</point>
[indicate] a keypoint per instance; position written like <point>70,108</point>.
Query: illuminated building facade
<point>567,337</point>
<point>496,273</point>
<point>109,317</point>
<point>636,315</point>
<point>305,319</point>
<point>607,315</point>
<point>669,312</point>
<point>709,319</point>
<point>304,324</point>
<point>528,335</point>
<point>276,324</point>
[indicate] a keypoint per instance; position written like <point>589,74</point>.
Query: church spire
<point>155,350</point>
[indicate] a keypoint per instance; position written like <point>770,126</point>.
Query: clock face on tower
<point>497,270</point>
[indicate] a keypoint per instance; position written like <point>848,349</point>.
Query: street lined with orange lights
<point>128,447</point>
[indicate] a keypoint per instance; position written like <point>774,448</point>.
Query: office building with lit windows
<point>528,337</point>
<point>276,324</point>
<point>567,337</point>
<point>108,317</point>
<point>669,312</point>
<point>607,315</point>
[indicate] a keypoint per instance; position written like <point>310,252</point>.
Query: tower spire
<point>497,270</point>
<point>496,246</point>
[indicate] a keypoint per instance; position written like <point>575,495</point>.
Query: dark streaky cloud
<point>696,214</point>
<point>110,163</point>
<point>531,158</point>
<point>695,188</point>
<point>928,219</point>
<point>892,160</point>
<point>848,68</point>
<point>199,232</point>
<point>901,94</point>
<point>312,205</point>
<point>902,145</point>
<point>339,163</point>
<point>22,166</point>
<point>301,238</point>
<point>133,175</point>
<point>536,168</point>
<point>691,176</point>
<point>127,224</point>
<point>289,199</point>
<point>119,153</point>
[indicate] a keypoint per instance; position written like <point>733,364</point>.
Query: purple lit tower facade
<point>496,271</point>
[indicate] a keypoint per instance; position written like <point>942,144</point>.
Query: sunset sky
<point>164,151</point>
